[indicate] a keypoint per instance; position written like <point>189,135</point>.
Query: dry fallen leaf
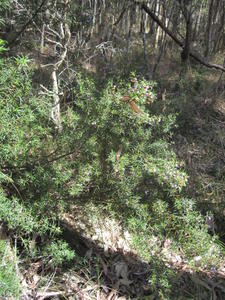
<point>111,295</point>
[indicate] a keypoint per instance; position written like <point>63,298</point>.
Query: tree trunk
<point>188,38</point>
<point>130,21</point>
<point>209,30</point>
<point>220,31</point>
<point>94,17</point>
<point>158,28</point>
<point>143,31</point>
<point>55,113</point>
<point>197,23</point>
<point>163,43</point>
<point>186,8</point>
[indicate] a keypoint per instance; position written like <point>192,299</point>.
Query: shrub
<point>32,186</point>
<point>9,281</point>
<point>129,165</point>
<point>113,151</point>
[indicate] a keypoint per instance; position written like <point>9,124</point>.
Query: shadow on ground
<point>113,274</point>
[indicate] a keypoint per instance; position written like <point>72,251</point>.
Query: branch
<point>27,24</point>
<point>193,54</point>
<point>45,295</point>
<point>121,15</point>
<point>159,22</point>
<point>55,113</point>
<point>125,8</point>
<point>42,162</point>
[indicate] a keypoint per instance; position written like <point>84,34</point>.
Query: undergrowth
<point>9,279</point>
<point>113,151</point>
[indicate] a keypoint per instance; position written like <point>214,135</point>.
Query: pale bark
<point>163,44</point>
<point>143,31</point>
<point>61,39</point>
<point>209,30</point>
<point>219,33</point>
<point>42,39</point>
<point>94,17</point>
<point>128,30</point>
<point>158,27</point>
<point>55,112</point>
<point>198,22</point>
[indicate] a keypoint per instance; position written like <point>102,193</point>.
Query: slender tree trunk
<point>94,17</point>
<point>175,22</point>
<point>163,44</point>
<point>143,31</point>
<point>187,46</point>
<point>127,26</point>
<point>209,30</point>
<point>220,31</point>
<point>158,28</point>
<point>197,23</point>
<point>130,19</point>
<point>55,113</point>
<point>42,39</point>
<point>187,13</point>
<point>152,24</point>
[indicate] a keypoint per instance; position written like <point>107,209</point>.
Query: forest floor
<point>109,269</point>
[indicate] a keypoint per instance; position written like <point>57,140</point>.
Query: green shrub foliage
<point>32,185</point>
<point>113,151</point>
<point>128,166</point>
<point>9,281</point>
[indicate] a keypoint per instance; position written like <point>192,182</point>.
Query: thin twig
<point>49,283</point>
